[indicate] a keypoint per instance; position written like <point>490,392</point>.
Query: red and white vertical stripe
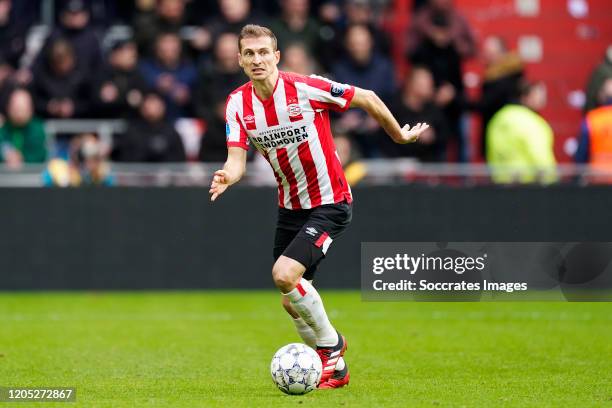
<point>308,173</point>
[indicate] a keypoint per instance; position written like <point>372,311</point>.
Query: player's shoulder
<point>292,77</point>
<point>307,79</point>
<point>241,88</point>
<point>239,91</point>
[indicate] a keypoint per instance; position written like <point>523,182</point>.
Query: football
<point>296,369</point>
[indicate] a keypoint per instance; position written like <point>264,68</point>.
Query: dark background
<point>143,238</point>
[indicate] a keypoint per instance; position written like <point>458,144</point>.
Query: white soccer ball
<point>296,369</point>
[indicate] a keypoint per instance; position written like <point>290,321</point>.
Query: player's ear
<point>240,60</point>
<point>277,56</point>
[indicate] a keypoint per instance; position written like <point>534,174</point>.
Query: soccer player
<point>286,117</point>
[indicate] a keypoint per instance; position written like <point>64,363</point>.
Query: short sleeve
<point>326,94</point>
<point>235,133</point>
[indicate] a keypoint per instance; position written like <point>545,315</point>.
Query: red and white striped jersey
<point>291,129</point>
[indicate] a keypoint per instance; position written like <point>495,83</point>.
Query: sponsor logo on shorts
<point>311,231</point>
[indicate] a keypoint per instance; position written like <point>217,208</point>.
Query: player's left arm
<point>375,107</point>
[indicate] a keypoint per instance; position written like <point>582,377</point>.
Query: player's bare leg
<point>306,301</point>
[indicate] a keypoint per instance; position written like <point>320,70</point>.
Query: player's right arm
<point>232,172</point>
<point>339,97</point>
<point>237,147</point>
<point>375,107</point>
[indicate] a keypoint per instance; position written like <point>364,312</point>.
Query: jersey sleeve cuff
<point>238,144</point>
<point>348,96</point>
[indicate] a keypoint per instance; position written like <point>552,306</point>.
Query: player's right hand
<point>219,184</point>
<point>411,135</point>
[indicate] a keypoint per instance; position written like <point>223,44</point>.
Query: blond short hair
<point>254,31</point>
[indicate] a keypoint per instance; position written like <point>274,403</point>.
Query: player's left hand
<point>411,135</point>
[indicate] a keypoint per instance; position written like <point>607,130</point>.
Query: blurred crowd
<point>180,62</point>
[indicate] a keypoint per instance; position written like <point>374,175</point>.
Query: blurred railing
<point>375,172</point>
<point>104,128</point>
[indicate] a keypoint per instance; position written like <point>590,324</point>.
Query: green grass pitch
<point>194,349</point>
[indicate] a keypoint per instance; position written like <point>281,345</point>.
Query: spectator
<point>335,24</point>
<point>296,25</point>
<point>141,12</point>
<point>363,66</point>
<point>440,39</point>
<point>143,7</point>
<point>120,92</point>
<point>22,136</point>
<point>75,28</point>
<point>415,105</point>
<point>330,18</point>
<point>363,12</point>
<point>367,69</point>
<point>170,74</point>
<point>219,77</point>
<point>12,40</point>
<point>600,74</point>
<point>234,15</point>
<point>166,16</point>
<point>213,147</point>
<point>297,59</point>
<point>354,169</point>
<point>520,141</point>
<point>595,146</point>
<point>86,166</point>
<point>504,71</point>
<point>60,88</point>
<point>217,80</point>
<point>102,13</point>
<point>150,138</point>
<point>12,45</point>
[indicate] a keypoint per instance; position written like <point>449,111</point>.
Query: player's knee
<point>284,277</point>
<point>283,280</point>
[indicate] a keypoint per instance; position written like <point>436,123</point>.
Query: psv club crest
<point>294,110</point>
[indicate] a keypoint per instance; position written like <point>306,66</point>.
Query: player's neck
<point>265,88</point>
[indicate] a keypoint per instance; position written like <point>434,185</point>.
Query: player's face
<point>258,58</point>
